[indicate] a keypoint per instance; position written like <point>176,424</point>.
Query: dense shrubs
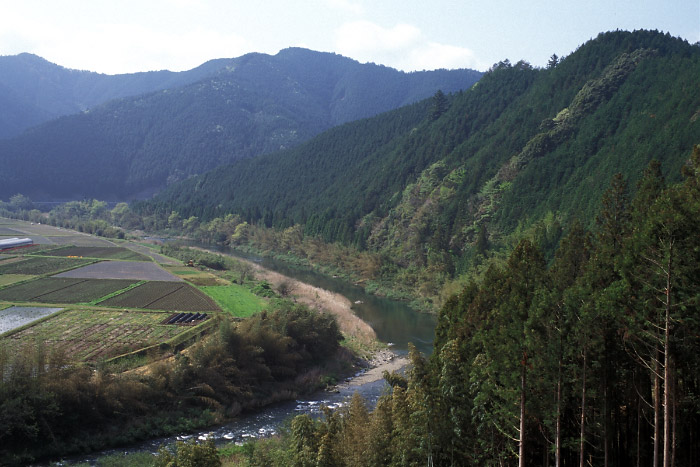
<point>48,407</point>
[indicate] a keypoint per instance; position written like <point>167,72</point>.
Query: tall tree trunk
<point>583,410</point>
<point>657,407</point>
<point>557,435</point>
<point>523,387</point>
<point>639,431</point>
<point>673,424</point>
<point>668,376</point>
<point>606,409</point>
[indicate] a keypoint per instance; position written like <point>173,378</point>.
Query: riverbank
<point>381,361</point>
<point>359,335</point>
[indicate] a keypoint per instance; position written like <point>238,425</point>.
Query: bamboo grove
<point>589,360</point>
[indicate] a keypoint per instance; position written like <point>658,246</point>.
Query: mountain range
<point>74,134</point>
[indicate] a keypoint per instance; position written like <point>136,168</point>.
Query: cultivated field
<point>163,296</point>
<point>38,266</point>
<point>122,270</point>
<point>78,271</point>
<point>37,248</point>
<point>94,335</point>
<point>113,253</point>
<point>63,290</point>
<point>7,279</point>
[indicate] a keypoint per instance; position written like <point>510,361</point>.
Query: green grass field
<point>235,299</point>
<point>7,279</point>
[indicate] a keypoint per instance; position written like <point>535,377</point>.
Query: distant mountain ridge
<point>190,122</point>
<point>34,90</point>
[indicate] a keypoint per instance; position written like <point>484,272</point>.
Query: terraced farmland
<point>164,296</point>
<point>94,335</point>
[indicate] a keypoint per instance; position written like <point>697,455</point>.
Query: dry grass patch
<point>325,301</point>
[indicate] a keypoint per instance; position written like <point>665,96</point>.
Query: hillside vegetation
<point>592,360</point>
<point>236,108</point>
<point>434,188</point>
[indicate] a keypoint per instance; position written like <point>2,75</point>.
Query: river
<point>394,322</point>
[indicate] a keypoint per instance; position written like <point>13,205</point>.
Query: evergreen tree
<point>304,441</point>
<point>439,105</point>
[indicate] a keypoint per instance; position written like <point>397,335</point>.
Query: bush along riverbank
<point>51,408</point>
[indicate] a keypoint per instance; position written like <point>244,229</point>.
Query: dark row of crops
<point>186,318</point>
<point>63,290</point>
<point>158,295</point>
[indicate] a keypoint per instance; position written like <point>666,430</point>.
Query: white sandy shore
<point>384,360</point>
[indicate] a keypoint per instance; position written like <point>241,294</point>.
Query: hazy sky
<point>120,36</point>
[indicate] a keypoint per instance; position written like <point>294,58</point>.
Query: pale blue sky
<point>119,36</point>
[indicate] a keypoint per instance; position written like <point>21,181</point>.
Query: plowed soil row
<point>169,296</point>
<point>63,290</point>
<point>39,266</point>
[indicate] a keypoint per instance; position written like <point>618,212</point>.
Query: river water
<point>394,322</point>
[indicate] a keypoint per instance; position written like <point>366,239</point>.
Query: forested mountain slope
<point>34,90</point>
<point>243,107</point>
<point>428,189</point>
